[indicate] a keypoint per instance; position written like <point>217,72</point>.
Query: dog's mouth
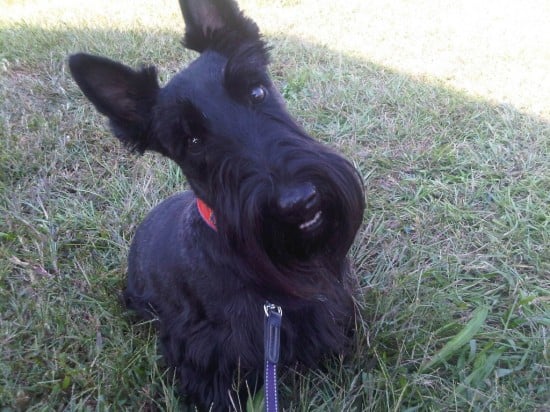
<point>297,236</point>
<point>312,224</point>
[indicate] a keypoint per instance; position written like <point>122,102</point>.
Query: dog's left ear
<point>207,21</point>
<point>124,95</point>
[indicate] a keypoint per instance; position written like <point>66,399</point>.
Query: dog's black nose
<point>297,199</point>
<point>300,204</point>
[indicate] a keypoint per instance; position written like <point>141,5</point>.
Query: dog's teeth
<point>311,222</point>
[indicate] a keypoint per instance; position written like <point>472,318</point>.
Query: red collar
<point>206,213</point>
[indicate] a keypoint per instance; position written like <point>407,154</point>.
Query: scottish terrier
<point>271,215</point>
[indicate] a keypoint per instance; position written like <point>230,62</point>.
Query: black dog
<point>282,213</point>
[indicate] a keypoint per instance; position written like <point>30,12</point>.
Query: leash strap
<point>272,343</point>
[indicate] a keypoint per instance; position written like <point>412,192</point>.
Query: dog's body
<point>211,320</point>
<point>286,209</point>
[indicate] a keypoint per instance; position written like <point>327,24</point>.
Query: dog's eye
<point>258,94</point>
<point>194,144</point>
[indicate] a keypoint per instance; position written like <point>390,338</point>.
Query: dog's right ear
<point>209,21</point>
<point>124,95</point>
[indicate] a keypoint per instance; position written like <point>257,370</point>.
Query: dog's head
<point>283,202</point>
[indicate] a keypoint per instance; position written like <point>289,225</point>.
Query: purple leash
<point>272,339</point>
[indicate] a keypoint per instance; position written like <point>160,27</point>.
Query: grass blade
<point>462,338</point>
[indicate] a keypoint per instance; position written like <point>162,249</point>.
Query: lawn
<point>444,107</point>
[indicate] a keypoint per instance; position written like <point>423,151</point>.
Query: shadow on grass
<point>458,215</point>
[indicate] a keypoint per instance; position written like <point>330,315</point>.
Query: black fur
<point>287,209</point>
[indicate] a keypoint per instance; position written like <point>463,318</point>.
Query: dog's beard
<point>290,257</point>
<point>291,250</point>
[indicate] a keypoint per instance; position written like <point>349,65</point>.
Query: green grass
<point>443,110</point>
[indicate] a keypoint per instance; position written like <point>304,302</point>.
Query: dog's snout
<point>297,199</point>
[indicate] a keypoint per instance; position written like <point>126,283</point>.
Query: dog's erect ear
<point>124,95</point>
<point>209,22</point>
